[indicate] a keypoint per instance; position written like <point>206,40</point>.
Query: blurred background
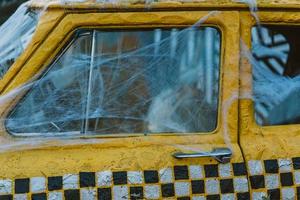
<point>7,8</point>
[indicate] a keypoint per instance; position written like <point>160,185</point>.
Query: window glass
<point>57,101</point>
<point>129,81</point>
<point>276,73</point>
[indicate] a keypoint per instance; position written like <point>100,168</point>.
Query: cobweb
<point>16,33</point>
<point>141,81</point>
<point>275,94</point>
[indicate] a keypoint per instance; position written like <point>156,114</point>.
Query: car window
<point>276,73</point>
<point>127,81</point>
<point>56,103</point>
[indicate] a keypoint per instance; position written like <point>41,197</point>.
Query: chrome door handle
<point>222,155</point>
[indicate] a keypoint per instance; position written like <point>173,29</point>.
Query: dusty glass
<point>128,81</point>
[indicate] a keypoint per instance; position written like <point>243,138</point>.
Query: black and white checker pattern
<point>278,179</point>
<point>275,178</point>
<point>196,182</point>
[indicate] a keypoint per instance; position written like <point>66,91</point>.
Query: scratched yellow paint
<point>61,156</point>
<point>169,4</point>
<point>40,157</point>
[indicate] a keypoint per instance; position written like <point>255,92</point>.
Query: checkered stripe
<point>196,182</point>
<point>276,179</point>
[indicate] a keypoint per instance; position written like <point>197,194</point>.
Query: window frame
<point>53,40</point>
<point>249,127</point>
<point>73,36</point>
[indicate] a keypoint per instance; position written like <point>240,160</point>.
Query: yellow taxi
<point>166,99</point>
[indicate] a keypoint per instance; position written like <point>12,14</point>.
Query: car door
<point>269,116</point>
<point>128,105</point>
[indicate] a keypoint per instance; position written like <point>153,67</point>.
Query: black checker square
<point>298,192</point>
<point>296,163</point>
<point>257,181</point>
<point>271,166</point>
<point>211,171</point>
<point>213,197</point>
<point>181,172</point>
<point>104,194</point>
<point>198,187</point>
<point>120,178</point>
<point>226,186</point>
<point>87,179</point>
<point>72,195</point>
<point>243,196</point>
<point>40,196</point>
<point>274,194</point>
<point>239,169</point>
<point>183,198</point>
<point>151,176</point>
<point>55,183</point>
<point>6,197</point>
<point>136,193</point>
<point>286,179</point>
<point>22,186</point>
<point>167,190</point>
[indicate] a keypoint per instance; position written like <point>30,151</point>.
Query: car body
<point>156,154</point>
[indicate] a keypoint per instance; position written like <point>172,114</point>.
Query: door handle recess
<point>222,155</point>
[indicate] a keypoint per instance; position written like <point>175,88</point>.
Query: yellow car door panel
<point>71,161</point>
<point>269,120</point>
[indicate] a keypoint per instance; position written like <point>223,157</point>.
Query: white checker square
<point>182,188</point>
<point>196,172</point>
<point>20,197</point>
<point>135,177</point>
<point>88,194</point>
<point>166,175</point>
<point>70,181</point>
<point>255,167</point>
<point>288,193</point>
<point>297,177</point>
<point>104,178</point>
<point>5,186</point>
<point>152,191</point>
<point>55,196</point>
<point>37,184</point>
<point>272,181</point>
<point>212,186</point>
<point>285,165</point>
<point>225,170</point>
<point>120,192</point>
<point>240,184</point>
<point>198,198</point>
<point>227,197</point>
<point>259,195</point>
